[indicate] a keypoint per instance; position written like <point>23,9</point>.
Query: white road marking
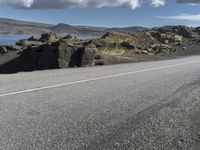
<point>95,79</point>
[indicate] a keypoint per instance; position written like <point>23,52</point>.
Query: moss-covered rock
<point>50,37</point>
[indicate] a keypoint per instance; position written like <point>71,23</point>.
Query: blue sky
<point>145,14</point>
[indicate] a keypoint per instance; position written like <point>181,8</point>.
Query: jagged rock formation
<point>49,37</point>
<point>49,52</point>
<point>52,51</point>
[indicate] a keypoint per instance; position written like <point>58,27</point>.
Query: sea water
<point>11,39</point>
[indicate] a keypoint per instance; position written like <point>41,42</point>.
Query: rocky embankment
<point>51,51</point>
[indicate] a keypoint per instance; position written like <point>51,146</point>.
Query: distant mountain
<point>128,29</point>
<point>76,30</point>
<point>62,28</point>
<point>11,26</point>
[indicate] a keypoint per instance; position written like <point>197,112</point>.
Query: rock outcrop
<point>52,51</point>
<point>50,37</point>
<point>3,50</point>
<point>6,49</point>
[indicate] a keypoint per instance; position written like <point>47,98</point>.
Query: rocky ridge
<point>52,51</point>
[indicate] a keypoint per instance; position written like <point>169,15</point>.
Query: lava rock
<point>3,50</point>
<point>49,37</point>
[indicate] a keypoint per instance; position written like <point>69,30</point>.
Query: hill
<point>11,26</point>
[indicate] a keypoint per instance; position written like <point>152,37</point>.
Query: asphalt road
<point>148,105</point>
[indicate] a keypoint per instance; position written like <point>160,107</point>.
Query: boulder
<point>23,43</point>
<point>83,56</point>
<point>8,48</point>
<point>26,43</point>
<point>100,62</point>
<point>3,50</point>
<point>183,31</point>
<point>145,52</point>
<point>127,45</point>
<point>32,38</point>
<point>160,48</point>
<point>186,32</point>
<point>166,42</point>
<point>39,57</point>
<point>66,53</point>
<point>89,53</point>
<point>164,38</point>
<point>57,55</point>
<point>49,37</point>
<point>14,48</point>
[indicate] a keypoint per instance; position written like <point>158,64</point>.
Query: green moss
<point>114,51</point>
<point>178,38</point>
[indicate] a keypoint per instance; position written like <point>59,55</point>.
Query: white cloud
<point>186,17</point>
<point>24,3</point>
<point>71,3</point>
<point>157,3</point>
<point>49,4</point>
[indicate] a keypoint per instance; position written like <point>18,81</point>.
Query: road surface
<point>147,105</point>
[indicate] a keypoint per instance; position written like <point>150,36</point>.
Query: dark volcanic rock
<point>161,48</point>
<point>88,56</point>
<point>83,56</point>
<point>3,50</point>
<point>55,55</point>
<point>32,38</point>
<point>22,43</point>
<point>180,30</point>
<point>36,58</point>
<point>27,43</point>
<point>51,51</point>
<point>65,52</point>
<point>68,37</point>
<point>49,37</point>
<point>14,48</point>
<point>7,49</point>
<point>127,45</point>
<point>185,31</point>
